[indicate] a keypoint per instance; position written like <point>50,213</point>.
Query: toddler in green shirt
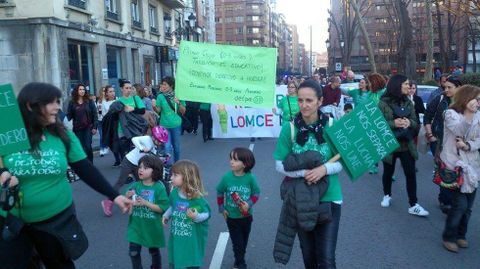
<point>237,192</point>
<point>150,201</point>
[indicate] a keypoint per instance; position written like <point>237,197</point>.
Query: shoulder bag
<point>446,178</point>
<point>186,124</point>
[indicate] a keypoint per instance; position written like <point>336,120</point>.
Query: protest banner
<point>13,135</point>
<point>225,74</point>
<point>237,121</point>
<point>362,138</point>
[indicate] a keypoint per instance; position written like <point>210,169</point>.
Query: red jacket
<point>330,95</point>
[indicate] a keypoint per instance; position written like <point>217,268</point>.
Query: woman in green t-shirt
<point>45,199</point>
<point>359,95</point>
<point>318,246</point>
<point>288,105</point>
<point>169,107</point>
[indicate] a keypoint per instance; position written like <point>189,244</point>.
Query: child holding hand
<point>150,202</point>
<point>237,192</point>
<point>188,215</point>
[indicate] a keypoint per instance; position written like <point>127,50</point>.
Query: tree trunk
<point>474,51</point>
<point>449,53</point>
<point>361,24</point>
<point>406,52</point>
<point>440,38</point>
<point>429,64</point>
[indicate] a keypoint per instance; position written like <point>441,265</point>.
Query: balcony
<point>112,15</point>
<point>174,3</point>
<point>257,12</point>
<point>254,23</point>
<point>137,24</point>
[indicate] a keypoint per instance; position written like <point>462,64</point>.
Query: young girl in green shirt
<point>236,194</point>
<point>150,202</point>
<point>188,214</point>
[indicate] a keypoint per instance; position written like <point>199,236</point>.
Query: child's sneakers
<point>107,207</point>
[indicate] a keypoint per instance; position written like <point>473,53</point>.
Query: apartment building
<point>65,42</point>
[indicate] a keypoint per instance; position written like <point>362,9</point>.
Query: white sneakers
<point>418,210</point>
<point>386,201</point>
<point>103,151</point>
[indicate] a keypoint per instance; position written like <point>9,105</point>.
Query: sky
<point>304,13</point>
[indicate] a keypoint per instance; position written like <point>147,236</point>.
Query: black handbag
<point>68,231</point>
<point>404,134</point>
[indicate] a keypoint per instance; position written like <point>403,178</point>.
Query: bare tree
<point>368,44</point>
<point>406,51</point>
<point>429,63</point>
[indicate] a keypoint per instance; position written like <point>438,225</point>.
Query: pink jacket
<point>457,126</point>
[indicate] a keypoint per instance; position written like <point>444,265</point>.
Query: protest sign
<point>224,74</point>
<point>237,121</point>
<point>13,135</point>
<point>362,138</point>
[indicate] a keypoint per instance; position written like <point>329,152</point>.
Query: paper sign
<point>362,138</point>
<point>224,74</point>
<point>13,135</point>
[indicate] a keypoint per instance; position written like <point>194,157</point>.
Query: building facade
<point>65,42</point>
<point>383,31</point>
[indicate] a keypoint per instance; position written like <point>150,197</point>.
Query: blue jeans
<point>457,221</point>
<point>318,246</point>
<point>173,144</point>
<point>99,130</point>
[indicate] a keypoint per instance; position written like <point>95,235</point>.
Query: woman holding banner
<point>45,201</point>
<point>399,112</point>
<point>304,134</point>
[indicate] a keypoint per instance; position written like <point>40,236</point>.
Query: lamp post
<point>180,31</point>
<point>327,43</point>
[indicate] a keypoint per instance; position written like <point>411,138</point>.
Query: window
<point>80,62</point>
<point>111,8</point>
<point>136,18</point>
<point>240,30</point>
<point>152,18</point>
<point>239,19</point>
<point>378,7</point>
<point>78,3</point>
<point>253,18</point>
<point>255,7</point>
<point>253,30</point>
<point>255,42</point>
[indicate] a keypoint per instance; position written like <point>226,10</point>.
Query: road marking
<point>251,147</point>
<point>217,258</point>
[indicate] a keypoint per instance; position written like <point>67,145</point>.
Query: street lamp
<point>327,43</point>
<point>180,31</point>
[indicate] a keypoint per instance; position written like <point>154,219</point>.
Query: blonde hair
<point>192,183</point>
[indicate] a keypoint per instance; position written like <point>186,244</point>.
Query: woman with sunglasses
<point>460,145</point>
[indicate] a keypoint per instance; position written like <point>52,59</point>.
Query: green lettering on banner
<point>13,135</point>
<point>224,74</point>
<point>362,138</point>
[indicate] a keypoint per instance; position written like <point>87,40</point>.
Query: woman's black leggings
<point>408,165</point>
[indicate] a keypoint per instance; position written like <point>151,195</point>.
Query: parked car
<point>424,91</point>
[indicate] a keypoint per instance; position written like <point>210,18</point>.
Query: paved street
<point>370,236</point>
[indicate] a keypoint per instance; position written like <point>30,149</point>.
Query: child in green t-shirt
<point>150,201</point>
<point>237,192</point>
<point>188,214</point>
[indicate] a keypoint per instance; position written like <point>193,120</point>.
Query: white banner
<point>237,121</point>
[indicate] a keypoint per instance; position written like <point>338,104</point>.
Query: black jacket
<point>133,124</point>
<point>301,208</point>
<point>92,115</point>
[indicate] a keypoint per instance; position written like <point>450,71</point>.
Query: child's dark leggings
<point>239,232</point>
<point>134,251</point>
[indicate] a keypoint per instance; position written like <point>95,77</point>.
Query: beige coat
<point>457,126</point>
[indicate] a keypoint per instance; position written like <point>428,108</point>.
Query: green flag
<point>224,74</point>
<point>362,138</point>
<point>13,135</point>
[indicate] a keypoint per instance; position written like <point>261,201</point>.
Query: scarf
<point>170,95</point>
<point>304,129</point>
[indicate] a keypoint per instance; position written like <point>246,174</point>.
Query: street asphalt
<point>369,237</point>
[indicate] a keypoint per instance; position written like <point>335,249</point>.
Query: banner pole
<point>335,158</point>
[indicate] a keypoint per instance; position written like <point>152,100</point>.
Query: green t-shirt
<point>186,245</point>
<point>286,146</point>
<point>288,115</point>
<point>168,117</point>
<point>44,188</point>
<point>133,101</point>
<point>358,96</point>
<point>245,186</point>
<point>376,96</point>
<point>144,225</point>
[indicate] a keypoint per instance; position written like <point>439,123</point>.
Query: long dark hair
<point>32,100</point>
<point>76,96</point>
<point>394,87</point>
